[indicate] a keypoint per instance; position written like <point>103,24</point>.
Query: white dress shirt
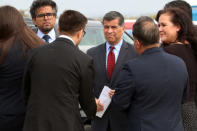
<point>67,37</point>
<point>52,35</point>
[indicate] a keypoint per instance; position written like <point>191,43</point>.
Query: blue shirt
<point>116,50</point>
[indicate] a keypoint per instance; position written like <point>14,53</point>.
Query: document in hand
<point>105,100</point>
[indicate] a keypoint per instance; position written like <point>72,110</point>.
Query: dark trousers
<point>108,127</point>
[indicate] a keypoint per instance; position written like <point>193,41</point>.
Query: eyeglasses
<point>84,32</point>
<point>49,15</point>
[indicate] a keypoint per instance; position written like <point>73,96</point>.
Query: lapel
<point>121,59</point>
<point>102,60</point>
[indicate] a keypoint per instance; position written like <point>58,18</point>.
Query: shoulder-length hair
<point>13,27</point>
<point>188,31</point>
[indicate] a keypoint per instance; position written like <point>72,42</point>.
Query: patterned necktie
<point>110,62</point>
<point>46,38</point>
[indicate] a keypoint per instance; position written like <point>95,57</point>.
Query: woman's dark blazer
<point>11,73</point>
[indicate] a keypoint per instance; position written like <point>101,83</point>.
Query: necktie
<point>46,38</point>
<point>110,62</point>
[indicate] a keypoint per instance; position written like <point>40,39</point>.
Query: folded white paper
<point>105,100</point>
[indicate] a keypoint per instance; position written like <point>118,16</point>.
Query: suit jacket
<point>151,89</point>
<point>111,117</point>
<point>58,78</point>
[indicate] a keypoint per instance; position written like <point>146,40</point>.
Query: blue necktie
<point>46,38</point>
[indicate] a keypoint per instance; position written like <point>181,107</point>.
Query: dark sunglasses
<point>46,14</point>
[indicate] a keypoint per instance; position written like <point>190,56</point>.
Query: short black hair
<point>40,3</point>
<point>114,15</point>
<point>146,31</point>
<point>181,4</point>
<point>71,21</point>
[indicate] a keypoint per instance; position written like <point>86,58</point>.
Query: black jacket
<point>57,79</point>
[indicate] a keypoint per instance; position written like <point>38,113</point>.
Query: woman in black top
<point>179,37</point>
<point>16,39</point>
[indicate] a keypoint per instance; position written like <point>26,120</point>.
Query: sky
<point>97,8</point>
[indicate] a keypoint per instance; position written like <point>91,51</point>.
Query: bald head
<point>146,31</point>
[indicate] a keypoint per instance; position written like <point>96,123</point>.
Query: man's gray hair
<point>114,15</point>
<point>146,31</point>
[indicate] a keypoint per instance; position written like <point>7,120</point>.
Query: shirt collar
<point>67,37</point>
<point>117,46</point>
<point>52,34</point>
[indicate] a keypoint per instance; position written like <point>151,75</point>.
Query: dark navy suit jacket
<point>151,89</point>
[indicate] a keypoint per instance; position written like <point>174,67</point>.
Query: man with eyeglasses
<point>43,13</point>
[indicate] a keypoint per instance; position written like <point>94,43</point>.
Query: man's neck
<point>45,32</point>
<point>69,37</point>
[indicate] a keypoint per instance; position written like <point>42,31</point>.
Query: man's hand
<point>99,105</point>
<point>111,93</point>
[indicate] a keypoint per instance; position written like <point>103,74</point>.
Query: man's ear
<point>80,34</point>
<point>123,27</point>
<point>138,44</point>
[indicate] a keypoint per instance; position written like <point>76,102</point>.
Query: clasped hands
<point>100,106</point>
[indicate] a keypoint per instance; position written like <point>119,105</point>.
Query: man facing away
<point>152,87</point>
<point>108,60</point>
<point>43,13</point>
<point>58,78</point>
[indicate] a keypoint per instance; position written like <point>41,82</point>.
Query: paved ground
<point>87,128</point>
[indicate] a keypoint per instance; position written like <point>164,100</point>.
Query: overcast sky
<point>97,8</point>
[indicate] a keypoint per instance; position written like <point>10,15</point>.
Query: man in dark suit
<point>43,13</point>
<point>108,60</point>
<point>152,87</point>
<point>58,78</point>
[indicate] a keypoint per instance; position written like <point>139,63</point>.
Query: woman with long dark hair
<point>16,39</point>
<point>179,37</point>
